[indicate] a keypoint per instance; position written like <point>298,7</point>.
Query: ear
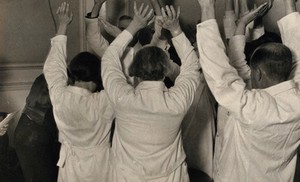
<point>257,73</point>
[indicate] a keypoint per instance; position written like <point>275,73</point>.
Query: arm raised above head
<point>289,27</point>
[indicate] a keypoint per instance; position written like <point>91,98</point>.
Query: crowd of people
<point>153,106</point>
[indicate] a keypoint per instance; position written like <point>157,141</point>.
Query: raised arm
<point>114,80</point>
<point>229,19</point>
<point>237,43</point>
<point>289,27</point>
<point>93,35</point>
<point>188,79</point>
<point>158,38</point>
<point>55,68</point>
<point>227,87</point>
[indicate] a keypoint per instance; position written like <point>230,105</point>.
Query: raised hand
<point>65,17</point>
<point>142,17</point>
<point>253,14</point>
<point>170,20</point>
<point>110,29</point>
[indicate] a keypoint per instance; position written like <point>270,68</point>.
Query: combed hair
<point>85,67</point>
<point>275,58</point>
<point>267,37</point>
<point>150,63</point>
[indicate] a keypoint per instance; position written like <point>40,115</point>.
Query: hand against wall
<point>65,17</point>
<point>170,20</point>
<point>142,17</point>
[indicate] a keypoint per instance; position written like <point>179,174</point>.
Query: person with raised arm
<point>83,116</point>
<point>263,134</point>
<point>147,143</point>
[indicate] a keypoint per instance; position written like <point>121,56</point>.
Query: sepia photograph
<point>149,91</point>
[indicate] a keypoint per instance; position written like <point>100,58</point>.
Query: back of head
<point>150,63</point>
<point>85,67</point>
<point>267,37</point>
<point>274,59</point>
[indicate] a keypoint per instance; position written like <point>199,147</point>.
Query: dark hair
<point>267,37</point>
<point>123,17</point>
<point>275,58</point>
<point>149,63</point>
<point>85,67</point>
<point>38,93</point>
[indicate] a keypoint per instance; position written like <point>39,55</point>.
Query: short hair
<point>275,58</point>
<point>150,63</point>
<point>267,37</point>
<point>86,67</point>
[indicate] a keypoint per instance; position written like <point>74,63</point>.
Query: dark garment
<point>3,156</point>
<point>37,147</point>
<point>10,169</point>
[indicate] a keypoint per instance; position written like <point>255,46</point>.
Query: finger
<point>135,8</point>
<point>173,12</point>
<point>141,8</point>
<point>145,10</point>
<point>169,13</point>
<point>178,12</point>
<point>58,10</point>
<point>67,9</point>
<point>262,9</point>
<point>150,15</point>
<point>163,12</point>
<point>63,8</point>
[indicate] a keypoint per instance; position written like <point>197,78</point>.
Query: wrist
<point>207,13</point>
<point>175,32</point>
<point>62,29</point>
<point>132,29</point>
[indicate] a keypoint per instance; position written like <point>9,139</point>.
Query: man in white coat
<point>264,133</point>
<point>147,144</point>
<point>83,117</point>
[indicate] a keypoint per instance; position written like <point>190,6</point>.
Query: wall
<point>25,31</point>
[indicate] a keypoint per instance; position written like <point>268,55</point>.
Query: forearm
<point>114,80</point>
<point>207,13</point>
<point>155,5</point>
<point>188,79</point>
<point>290,6</point>
<point>290,34</point>
<point>55,67</point>
<point>94,37</point>
<point>240,29</point>
<point>237,57</point>
<point>222,78</point>
<point>62,29</point>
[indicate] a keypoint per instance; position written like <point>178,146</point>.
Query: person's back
<point>147,143</point>
<point>262,134</point>
<point>83,116</point>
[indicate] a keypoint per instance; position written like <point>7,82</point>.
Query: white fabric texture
<point>147,143</point>
<point>83,119</point>
<point>262,132</point>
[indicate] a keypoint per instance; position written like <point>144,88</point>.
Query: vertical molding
<point>82,12</point>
